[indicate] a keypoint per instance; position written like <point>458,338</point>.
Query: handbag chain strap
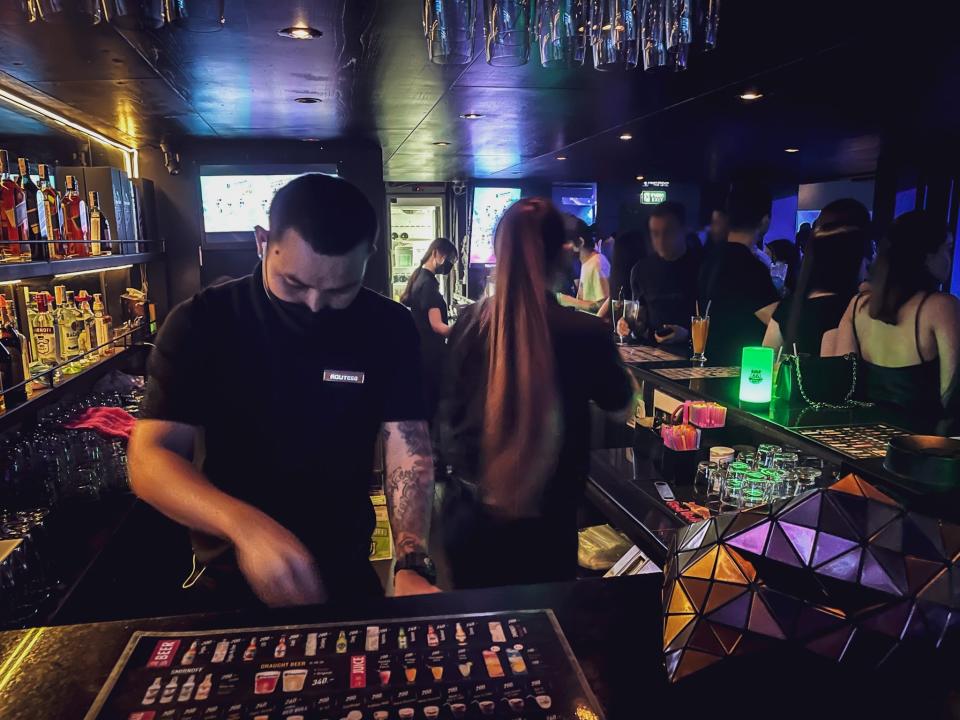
<point>848,401</point>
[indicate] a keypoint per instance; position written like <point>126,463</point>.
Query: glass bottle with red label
<point>13,214</point>
<point>36,250</point>
<point>74,220</point>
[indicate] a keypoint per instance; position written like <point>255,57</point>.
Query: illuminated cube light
<point>756,375</point>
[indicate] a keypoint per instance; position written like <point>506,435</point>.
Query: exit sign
<point>652,197</point>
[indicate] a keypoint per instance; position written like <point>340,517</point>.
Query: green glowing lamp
<point>756,375</point>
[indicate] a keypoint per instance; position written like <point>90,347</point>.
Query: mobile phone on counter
<point>664,491</point>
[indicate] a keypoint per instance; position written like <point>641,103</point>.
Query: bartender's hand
<point>675,334</point>
<point>279,569</point>
<point>407,582</point>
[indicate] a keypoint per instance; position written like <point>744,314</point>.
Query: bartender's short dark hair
<point>747,204</point>
<point>670,207</point>
<point>330,214</point>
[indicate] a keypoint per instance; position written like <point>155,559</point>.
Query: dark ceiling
<point>839,78</point>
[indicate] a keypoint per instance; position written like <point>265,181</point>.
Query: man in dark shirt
<point>665,283</point>
<point>736,282</point>
<point>280,376</point>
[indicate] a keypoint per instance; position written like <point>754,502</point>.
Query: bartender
<point>280,380</point>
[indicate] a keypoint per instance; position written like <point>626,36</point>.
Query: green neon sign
<point>652,197</point>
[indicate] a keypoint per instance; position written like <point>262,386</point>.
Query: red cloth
<point>109,421</point>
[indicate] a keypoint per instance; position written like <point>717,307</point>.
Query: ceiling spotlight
<point>310,139</point>
<point>307,100</point>
<point>471,116</point>
<point>791,150</point>
<point>751,96</point>
<point>300,33</point>
<point>561,157</point>
<point>639,178</point>
<point>441,143</point>
<point>626,136</point>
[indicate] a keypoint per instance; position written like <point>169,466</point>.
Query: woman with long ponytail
<point>515,418</point>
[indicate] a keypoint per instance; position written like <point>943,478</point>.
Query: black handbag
<point>823,383</point>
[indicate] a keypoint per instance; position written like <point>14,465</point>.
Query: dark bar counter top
<point>614,628</point>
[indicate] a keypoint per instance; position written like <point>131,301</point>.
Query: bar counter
<point>613,626</point>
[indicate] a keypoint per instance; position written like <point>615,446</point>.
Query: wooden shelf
<point>24,271</point>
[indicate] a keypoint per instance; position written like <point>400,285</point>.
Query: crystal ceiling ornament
<point>844,572</point>
<point>449,26</point>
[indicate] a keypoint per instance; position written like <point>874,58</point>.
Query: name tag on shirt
<point>343,376</point>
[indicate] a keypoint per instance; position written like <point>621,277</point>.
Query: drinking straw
<point>707,313</point>
<point>697,303</point>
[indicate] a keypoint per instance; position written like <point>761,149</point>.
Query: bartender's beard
<point>294,315</point>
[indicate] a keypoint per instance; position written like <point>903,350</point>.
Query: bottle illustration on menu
<point>460,635</point>
<point>516,662</point>
<point>251,650</point>
<point>310,647</point>
<point>190,655</point>
<point>402,639</point>
<point>220,652</point>
<point>492,662</point>
<point>281,649</point>
<point>186,691</point>
<point>203,691</point>
<point>150,697</point>
<point>341,643</point>
<point>169,691</point>
<point>496,632</point>
<point>432,639</point>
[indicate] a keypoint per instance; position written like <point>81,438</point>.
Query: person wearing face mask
<point>906,331</point>
<point>422,295</point>
<point>279,376</point>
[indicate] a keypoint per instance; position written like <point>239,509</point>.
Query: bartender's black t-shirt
<point>289,416</point>
<point>424,297</point>
<point>738,284</point>
<point>667,288</point>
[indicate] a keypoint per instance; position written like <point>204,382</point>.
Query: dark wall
<point>180,214</point>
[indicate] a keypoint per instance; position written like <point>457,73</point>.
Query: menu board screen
<point>489,204</point>
<point>469,667</point>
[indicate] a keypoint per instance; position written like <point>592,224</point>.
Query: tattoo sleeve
<point>409,484</point>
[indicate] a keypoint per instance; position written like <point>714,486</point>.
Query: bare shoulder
<point>943,307</point>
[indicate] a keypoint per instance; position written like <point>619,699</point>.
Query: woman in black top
<point>833,267</point>
<point>422,295</point>
<point>906,332</point>
<point>515,415</point>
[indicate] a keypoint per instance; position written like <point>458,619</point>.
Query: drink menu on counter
<point>502,666</point>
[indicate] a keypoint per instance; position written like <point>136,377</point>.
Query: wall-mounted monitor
<point>578,199</point>
<point>489,204</point>
<point>235,198</point>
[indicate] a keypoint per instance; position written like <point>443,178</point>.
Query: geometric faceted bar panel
<point>844,571</point>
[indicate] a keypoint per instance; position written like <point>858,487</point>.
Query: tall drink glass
<point>699,329</point>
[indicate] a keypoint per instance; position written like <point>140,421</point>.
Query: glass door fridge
<point>415,222</point>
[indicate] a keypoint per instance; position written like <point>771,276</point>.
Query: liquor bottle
<point>281,649</point>
<point>190,655</point>
<point>13,214</point>
<point>42,335</point>
<point>23,346</point>
<point>251,650</point>
<point>12,369</point>
<point>169,691</point>
<point>36,250</point>
<point>74,220</point>
<point>150,697</point>
<point>341,643</point>
<point>432,639</point>
<point>30,300</point>
<point>100,237</point>
<point>88,335</point>
<point>219,653</point>
<point>186,691</point>
<point>51,228</point>
<point>203,690</point>
<point>71,326</point>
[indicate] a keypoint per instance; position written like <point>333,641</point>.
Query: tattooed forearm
<point>409,484</point>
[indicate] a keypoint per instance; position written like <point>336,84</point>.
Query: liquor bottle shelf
<point>23,271</point>
<point>74,383</point>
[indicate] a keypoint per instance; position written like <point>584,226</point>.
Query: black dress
<point>424,297</point>
<point>817,316</point>
<point>484,551</point>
